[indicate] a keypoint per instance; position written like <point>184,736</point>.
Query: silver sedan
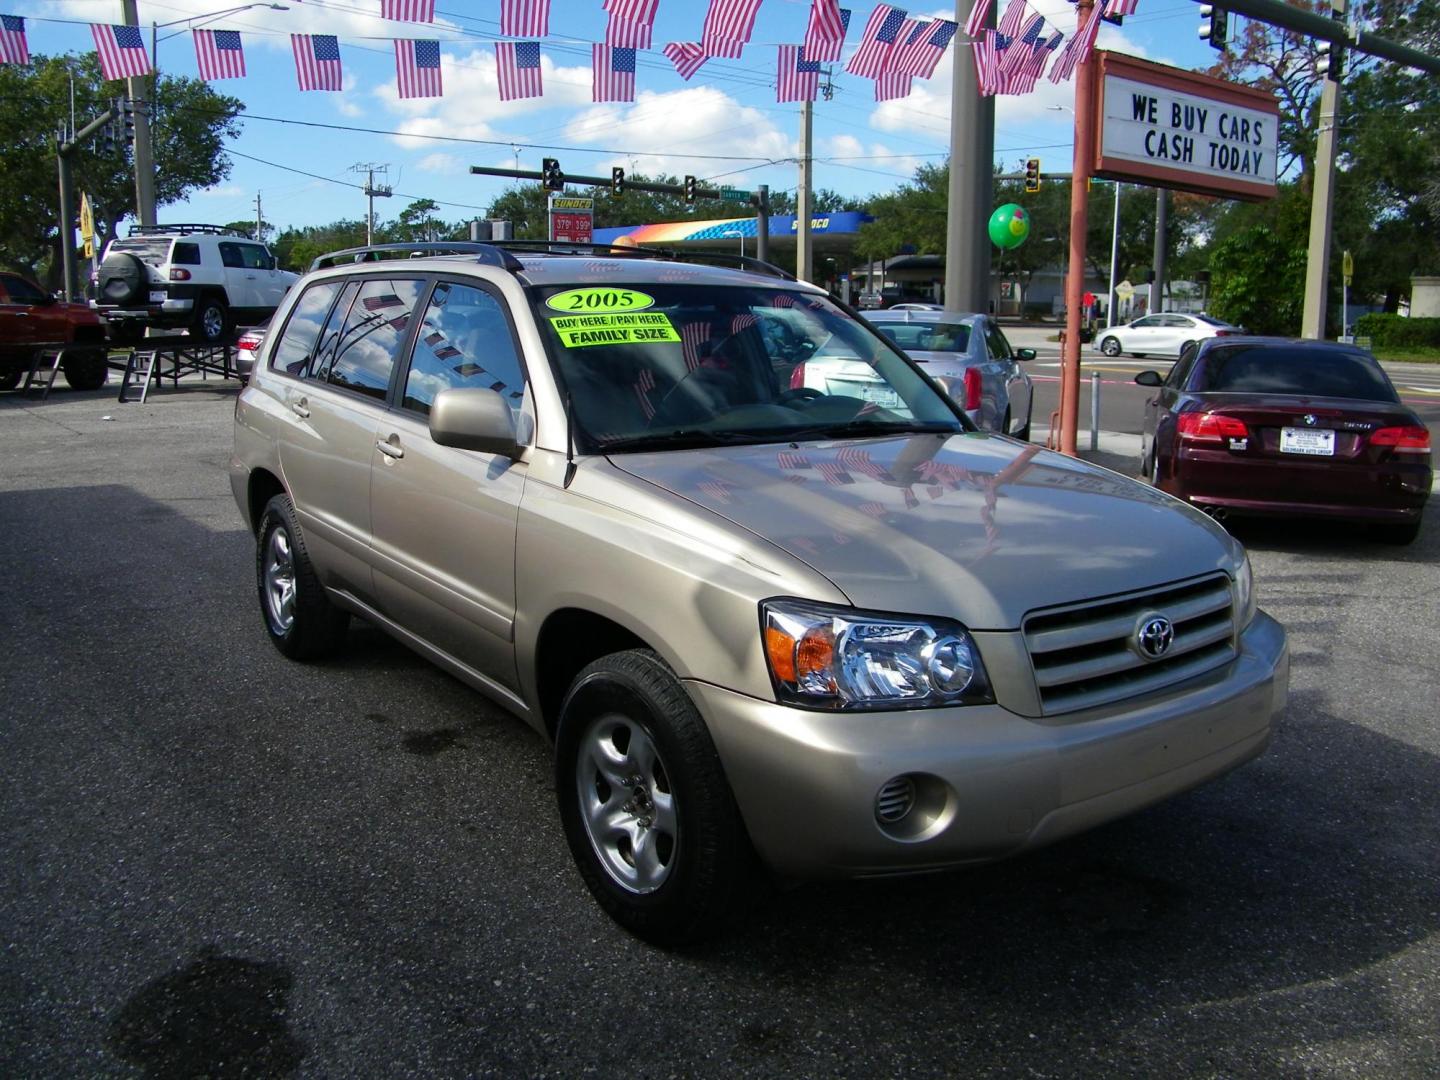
<point>969,356</point>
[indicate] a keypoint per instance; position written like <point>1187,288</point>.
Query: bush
<point>1396,331</point>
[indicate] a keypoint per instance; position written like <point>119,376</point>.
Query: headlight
<point>838,658</point>
<point>1244,593</point>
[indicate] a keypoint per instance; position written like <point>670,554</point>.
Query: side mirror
<point>473,419</point>
<point>1024,354</point>
<point>50,298</point>
<point>1149,378</point>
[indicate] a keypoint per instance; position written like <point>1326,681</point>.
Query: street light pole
<point>1114,259</point>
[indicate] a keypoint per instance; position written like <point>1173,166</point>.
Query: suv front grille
<point>1086,654</point>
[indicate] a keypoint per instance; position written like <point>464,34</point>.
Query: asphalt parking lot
<point>219,863</point>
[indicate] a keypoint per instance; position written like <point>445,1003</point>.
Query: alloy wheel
<point>279,583</point>
<point>626,803</point>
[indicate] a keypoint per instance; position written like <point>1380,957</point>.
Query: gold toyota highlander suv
<point>767,628</point>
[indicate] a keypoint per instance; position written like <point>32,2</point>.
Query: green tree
<point>191,126</point>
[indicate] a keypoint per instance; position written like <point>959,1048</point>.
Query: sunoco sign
<point>1177,129</point>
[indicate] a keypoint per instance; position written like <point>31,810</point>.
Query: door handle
<point>391,448</point>
<point>250,277</point>
<point>300,408</point>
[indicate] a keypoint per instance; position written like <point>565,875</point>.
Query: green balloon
<point>1009,226</point>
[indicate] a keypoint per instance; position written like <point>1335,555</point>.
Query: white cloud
<point>224,191</point>
<point>440,163</point>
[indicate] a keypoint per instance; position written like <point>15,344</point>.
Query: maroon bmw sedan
<point>1280,427</point>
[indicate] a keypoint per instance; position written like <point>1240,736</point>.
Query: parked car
<point>203,278</point>
<point>247,346</point>
<point>30,318</point>
<point>916,306</point>
<point>1162,335</point>
<point>967,354</point>
<point>764,626</point>
<point>1273,426</point>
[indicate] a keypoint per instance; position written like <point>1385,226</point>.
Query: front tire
<point>1110,346</point>
<point>1399,535</point>
<point>86,370</point>
<point>298,616</point>
<point>648,813</point>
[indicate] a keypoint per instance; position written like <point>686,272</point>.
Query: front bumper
<point>997,783</point>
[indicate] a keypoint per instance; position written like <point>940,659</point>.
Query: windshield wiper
<point>686,438</point>
<point>860,428</point>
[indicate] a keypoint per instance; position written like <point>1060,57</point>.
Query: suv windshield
<point>1268,369</point>
<point>669,365</point>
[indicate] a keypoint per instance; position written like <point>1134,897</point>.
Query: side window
<point>1177,322</point>
<point>995,341</point>
<point>1147,323</point>
<point>297,343</point>
<point>183,254</point>
<point>465,341</point>
<point>1181,371</point>
<point>254,257</point>
<point>230,255</point>
<point>373,334</point>
<point>21,291</point>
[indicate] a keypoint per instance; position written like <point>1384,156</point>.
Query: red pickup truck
<point>31,318</point>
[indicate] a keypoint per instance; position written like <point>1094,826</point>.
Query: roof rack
<point>570,247</point>
<point>218,230</point>
<point>488,254</point>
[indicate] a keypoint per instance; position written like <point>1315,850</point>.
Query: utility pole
<point>64,148</point>
<point>762,222</point>
<point>371,192</point>
<point>1084,162</point>
<point>972,182</point>
<point>804,255</point>
<point>135,86</point>
<point>1157,262</point>
<point>259,220</point>
<point>1114,260</point>
<point>1322,197</point>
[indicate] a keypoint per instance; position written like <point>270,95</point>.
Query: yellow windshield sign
<point>584,301</point>
<point>635,328</point>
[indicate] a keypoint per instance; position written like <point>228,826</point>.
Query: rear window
<point>1267,369</point>
<point>153,249</point>
<point>927,336</point>
<point>185,254</point>
<point>1211,320</point>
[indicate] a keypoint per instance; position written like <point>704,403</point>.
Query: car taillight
<point>1225,333</point>
<point>179,273</point>
<point>1211,427</point>
<point>248,343</point>
<point>797,377</point>
<point>1410,439</point>
<point>972,388</point>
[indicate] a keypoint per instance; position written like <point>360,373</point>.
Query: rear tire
<point>298,616</point>
<point>1399,535</point>
<point>9,380</point>
<point>86,370</point>
<point>212,320</point>
<point>648,813</point>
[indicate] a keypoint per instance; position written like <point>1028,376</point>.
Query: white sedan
<point>1161,335</point>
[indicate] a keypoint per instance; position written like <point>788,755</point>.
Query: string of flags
<point>895,48</point>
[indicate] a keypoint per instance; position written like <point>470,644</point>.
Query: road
<point>217,862</point>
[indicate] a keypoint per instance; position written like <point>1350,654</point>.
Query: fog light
<point>895,800</point>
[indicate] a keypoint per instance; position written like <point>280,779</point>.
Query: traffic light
<point>1330,61</point>
<point>1032,175</point>
<point>617,181</point>
<point>107,139</point>
<point>552,177</point>
<point>127,113</point>
<point>689,189</point>
<point>1215,27</point>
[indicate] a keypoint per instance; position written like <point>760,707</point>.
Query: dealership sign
<point>1178,129</point>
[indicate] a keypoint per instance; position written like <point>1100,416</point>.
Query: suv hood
<point>971,526</point>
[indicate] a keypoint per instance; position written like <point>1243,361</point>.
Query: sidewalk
<point>1118,450</point>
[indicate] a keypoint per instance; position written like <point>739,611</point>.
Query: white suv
<point>200,277</point>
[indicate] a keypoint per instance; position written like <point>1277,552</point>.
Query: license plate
<point>157,297</point>
<point>886,399</point>
<point>1319,443</point>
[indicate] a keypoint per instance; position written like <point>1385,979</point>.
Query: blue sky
<point>723,126</point>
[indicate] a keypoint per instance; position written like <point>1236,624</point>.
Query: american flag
<point>892,84</point>
<point>978,14</point>
<point>614,73</point>
<point>1021,50</point>
<point>987,62</point>
<point>13,49</point>
<point>798,78</point>
<point>408,10</point>
<point>1121,8</point>
<point>728,25</point>
<point>825,33</point>
<point>121,49</point>
<point>687,56</point>
<point>630,22</point>
<point>525,18</point>
<point>518,65</point>
<point>1034,67</point>
<point>877,41</point>
<point>317,61</point>
<point>218,54</point>
<point>920,55</point>
<point>1076,49</point>
<point>1009,24</point>
<point>417,67</point>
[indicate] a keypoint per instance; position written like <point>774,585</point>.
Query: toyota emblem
<point>1154,636</point>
